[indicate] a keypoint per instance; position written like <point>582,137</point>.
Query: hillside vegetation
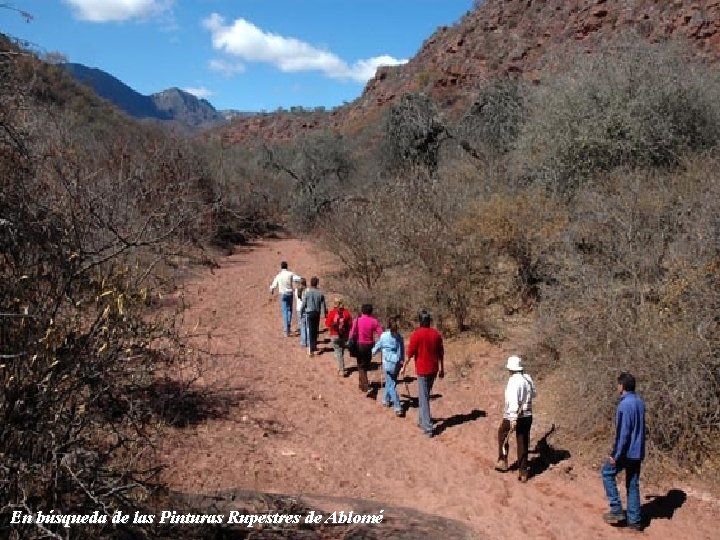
<point>98,214</point>
<point>576,218</point>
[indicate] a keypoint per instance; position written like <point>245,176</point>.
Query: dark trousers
<point>364,357</point>
<point>522,437</point>
<point>313,328</point>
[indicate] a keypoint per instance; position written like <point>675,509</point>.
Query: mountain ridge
<point>170,105</point>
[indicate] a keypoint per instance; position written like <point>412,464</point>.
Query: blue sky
<point>249,55</point>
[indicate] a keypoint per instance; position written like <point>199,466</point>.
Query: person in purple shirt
<point>627,453</point>
<point>364,331</point>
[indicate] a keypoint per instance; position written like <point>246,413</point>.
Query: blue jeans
<point>302,328</point>
<point>286,303</point>
<point>425,384</point>
<point>391,395</point>
<point>609,473</point>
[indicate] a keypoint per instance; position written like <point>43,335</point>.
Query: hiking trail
<point>295,427</point>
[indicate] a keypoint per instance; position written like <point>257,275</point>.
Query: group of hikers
<point>364,337</point>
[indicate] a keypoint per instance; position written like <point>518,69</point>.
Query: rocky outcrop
<point>508,37</point>
<point>186,109</point>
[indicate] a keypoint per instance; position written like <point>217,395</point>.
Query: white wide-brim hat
<point>514,363</point>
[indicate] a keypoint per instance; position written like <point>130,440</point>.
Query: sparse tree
<point>317,167</point>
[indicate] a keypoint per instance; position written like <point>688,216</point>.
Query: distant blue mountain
<point>169,105</point>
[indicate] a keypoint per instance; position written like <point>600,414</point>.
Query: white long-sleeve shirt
<point>283,282</point>
<point>519,393</point>
<point>299,296</point>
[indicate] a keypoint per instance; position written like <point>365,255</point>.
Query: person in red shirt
<point>339,321</point>
<point>426,348</point>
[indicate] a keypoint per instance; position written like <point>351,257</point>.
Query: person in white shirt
<point>302,320</point>
<point>517,417</point>
<point>283,282</point>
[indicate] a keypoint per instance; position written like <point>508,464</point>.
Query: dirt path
<point>295,427</point>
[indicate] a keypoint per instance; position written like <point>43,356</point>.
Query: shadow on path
<point>546,454</point>
<point>662,506</point>
<point>177,403</point>
<point>458,419</point>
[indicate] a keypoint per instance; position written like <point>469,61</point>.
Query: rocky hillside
<point>115,91</point>
<point>514,37</point>
<point>186,109</point>
<point>173,105</point>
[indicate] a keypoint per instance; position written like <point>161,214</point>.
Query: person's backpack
<point>339,323</point>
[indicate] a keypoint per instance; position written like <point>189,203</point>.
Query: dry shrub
<point>638,291</point>
<point>246,201</point>
<point>629,105</point>
<point>88,218</point>
<point>315,170</point>
<point>403,251</point>
<point>494,121</point>
<point>352,231</point>
<point>413,134</point>
<point>515,231</point>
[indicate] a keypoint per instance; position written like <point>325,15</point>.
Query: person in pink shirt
<point>365,330</point>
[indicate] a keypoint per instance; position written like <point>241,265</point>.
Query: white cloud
<point>226,68</point>
<point>248,42</point>
<point>118,10</point>
<point>199,92</point>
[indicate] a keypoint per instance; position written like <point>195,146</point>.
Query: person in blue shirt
<point>627,453</point>
<point>393,353</point>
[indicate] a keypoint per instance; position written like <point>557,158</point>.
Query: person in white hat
<point>517,417</point>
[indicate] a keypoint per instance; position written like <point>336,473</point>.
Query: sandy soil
<point>291,425</point>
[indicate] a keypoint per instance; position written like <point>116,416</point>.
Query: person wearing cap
<point>426,349</point>
<point>517,417</point>
<point>339,321</point>
<point>627,453</point>
<point>283,282</point>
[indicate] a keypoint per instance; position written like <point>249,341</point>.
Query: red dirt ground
<point>297,428</point>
